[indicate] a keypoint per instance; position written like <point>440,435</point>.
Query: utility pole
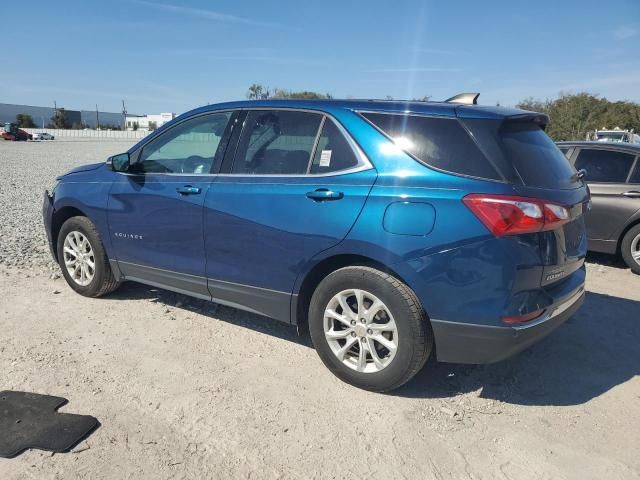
<point>124,116</point>
<point>97,118</point>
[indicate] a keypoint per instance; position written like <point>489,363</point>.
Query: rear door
<point>613,198</point>
<point>294,187</point>
<point>155,210</point>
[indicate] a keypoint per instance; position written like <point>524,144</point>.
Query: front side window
<point>189,147</point>
<point>276,142</point>
<point>604,165</point>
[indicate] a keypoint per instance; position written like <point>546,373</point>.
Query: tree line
<point>572,116</point>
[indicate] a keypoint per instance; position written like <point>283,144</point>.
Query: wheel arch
<point>633,223</point>
<point>323,268</point>
<point>59,217</point>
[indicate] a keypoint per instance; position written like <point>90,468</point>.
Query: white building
<point>147,122</point>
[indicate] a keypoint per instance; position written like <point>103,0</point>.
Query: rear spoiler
<point>540,119</point>
<point>464,99</point>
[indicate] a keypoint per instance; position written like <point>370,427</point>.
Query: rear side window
<point>276,142</point>
<point>442,143</point>
<point>333,152</point>
<point>605,165</point>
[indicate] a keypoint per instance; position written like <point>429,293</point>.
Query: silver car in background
<point>42,136</point>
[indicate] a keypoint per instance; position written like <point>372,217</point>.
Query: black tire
<point>415,338</point>
<point>103,281</point>
<point>627,248</point>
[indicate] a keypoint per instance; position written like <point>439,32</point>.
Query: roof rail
<point>464,99</point>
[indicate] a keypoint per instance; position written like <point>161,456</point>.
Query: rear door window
<point>604,165</point>
<point>442,143</point>
<point>276,142</point>
<point>333,152</point>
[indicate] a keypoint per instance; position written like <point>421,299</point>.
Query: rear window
<point>523,153</point>
<point>538,160</point>
<point>442,143</point>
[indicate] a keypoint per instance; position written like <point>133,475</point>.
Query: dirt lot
<point>189,389</point>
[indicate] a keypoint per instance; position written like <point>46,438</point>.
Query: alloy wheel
<point>635,249</point>
<point>360,331</point>
<point>79,259</point>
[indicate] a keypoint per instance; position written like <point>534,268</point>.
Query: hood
<point>83,168</point>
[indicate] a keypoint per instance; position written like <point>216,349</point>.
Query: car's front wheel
<point>630,248</point>
<point>369,328</point>
<point>82,258</point>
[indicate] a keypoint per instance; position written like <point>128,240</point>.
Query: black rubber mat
<point>29,420</point>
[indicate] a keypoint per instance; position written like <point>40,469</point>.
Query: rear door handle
<point>323,194</point>
<point>188,190</point>
<point>632,194</point>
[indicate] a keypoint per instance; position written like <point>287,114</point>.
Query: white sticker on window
<point>325,158</point>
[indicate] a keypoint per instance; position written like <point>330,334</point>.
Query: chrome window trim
<point>363,161</point>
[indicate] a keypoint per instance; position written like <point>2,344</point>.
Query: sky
<point>172,55</point>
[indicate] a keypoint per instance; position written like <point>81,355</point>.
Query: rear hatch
<point>526,157</point>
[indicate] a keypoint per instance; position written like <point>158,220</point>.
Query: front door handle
<point>323,194</point>
<point>632,194</point>
<point>188,190</point>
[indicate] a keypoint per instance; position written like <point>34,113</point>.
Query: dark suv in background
<point>612,171</point>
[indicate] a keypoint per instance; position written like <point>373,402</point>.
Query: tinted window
<point>535,157</point>
<point>276,142</point>
<point>333,152</point>
<point>439,142</point>
<point>189,147</point>
<point>604,165</point>
<point>635,176</point>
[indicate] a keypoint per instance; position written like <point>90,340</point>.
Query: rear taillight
<point>511,215</point>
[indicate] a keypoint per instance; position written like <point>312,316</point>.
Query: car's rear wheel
<point>630,248</point>
<point>369,328</point>
<point>82,258</point>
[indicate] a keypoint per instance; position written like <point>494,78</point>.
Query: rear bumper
<point>479,344</point>
<point>47,218</point>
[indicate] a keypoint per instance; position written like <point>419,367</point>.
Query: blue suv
<point>395,230</point>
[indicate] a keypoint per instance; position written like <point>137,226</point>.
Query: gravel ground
<point>26,170</point>
<point>189,389</point>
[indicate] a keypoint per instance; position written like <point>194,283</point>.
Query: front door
<point>155,210</point>
<point>295,188</point>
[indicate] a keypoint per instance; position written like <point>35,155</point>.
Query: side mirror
<point>119,163</point>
